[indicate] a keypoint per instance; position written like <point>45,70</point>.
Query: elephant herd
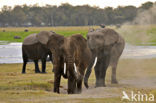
<point>72,55</point>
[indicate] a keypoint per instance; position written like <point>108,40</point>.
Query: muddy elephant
<point>34,50</point>
<point>106,46</point>
<point>71,57</point>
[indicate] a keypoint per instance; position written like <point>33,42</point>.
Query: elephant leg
<point>36,66</point>
<point>81,77</point>
<point>113,79</point>
<point>43,65</point>
<point>79,86</point>
<point>24,65</point>
<point>71,85</point>
<point>57,79</point>
<point>97,74</point>
<point>103,65</point>
<point>102,76</point>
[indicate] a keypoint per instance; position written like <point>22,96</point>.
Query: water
<point>12,52</point>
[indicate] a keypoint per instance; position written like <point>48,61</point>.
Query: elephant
<point>106,46</point>
<point>71,56</point>
<point>34,50</point>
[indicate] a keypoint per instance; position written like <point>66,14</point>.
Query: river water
<point>12,52</point>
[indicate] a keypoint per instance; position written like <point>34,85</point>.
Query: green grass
<point>9,33</point>
<point>133,34</point>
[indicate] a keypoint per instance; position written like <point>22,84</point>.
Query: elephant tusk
<point>75,68</point>
<point>95,62</point>
<point>64,68</point>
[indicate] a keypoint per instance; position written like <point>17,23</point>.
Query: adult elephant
<point>34,50</point>
<point>106,46</point>
<point>71,56</point>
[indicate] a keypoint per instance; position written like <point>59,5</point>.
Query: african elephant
<point>34,50</point>
<point>106,46</point>
<point>71,57</point>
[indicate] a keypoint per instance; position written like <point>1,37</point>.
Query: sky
<point>99,3</point>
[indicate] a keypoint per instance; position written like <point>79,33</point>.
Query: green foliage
<point>67,15</point>
<point>146,5</point>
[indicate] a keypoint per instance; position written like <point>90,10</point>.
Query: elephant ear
<point>31,39</point>
<point>110,36</point>
<point>43,37</point>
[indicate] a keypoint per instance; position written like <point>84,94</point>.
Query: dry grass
<point>37,88</point>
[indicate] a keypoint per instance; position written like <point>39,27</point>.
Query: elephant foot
<point>114,82</point>
<point>78,91</point>
<point>43,72</point>
<point>100,83</point>
<point>86,85</point>
<point>23,72</point>
<point>72,91</point>
<point>56,90</point>
<point>37,72</point>
<point>100,86</point>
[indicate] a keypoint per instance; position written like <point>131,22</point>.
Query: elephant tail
<point>88,72</point>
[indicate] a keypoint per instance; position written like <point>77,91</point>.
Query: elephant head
<point>103,37</point>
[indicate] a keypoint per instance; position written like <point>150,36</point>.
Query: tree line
<point>68,15</point>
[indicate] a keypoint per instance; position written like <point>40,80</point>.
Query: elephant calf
<point>34,50</point>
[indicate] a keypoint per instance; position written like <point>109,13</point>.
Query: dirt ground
<point>132,74</point>
<point>139,77</point>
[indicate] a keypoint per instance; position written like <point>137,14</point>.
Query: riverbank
<point>133,75</point>
<point>133,34</point>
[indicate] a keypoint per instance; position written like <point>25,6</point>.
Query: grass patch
<point>133,34</point>
<point>9,33</point>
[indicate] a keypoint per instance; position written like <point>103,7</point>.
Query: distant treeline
<point>68,15</point>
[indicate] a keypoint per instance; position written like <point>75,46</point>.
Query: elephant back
<point>30,40</point>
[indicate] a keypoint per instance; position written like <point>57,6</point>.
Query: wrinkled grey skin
<point>107,45</point>
<point>72,50</point>
<point>34,50</point>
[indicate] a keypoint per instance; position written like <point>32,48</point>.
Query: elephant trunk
<point>89,70</point>
<point>70,68</point>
